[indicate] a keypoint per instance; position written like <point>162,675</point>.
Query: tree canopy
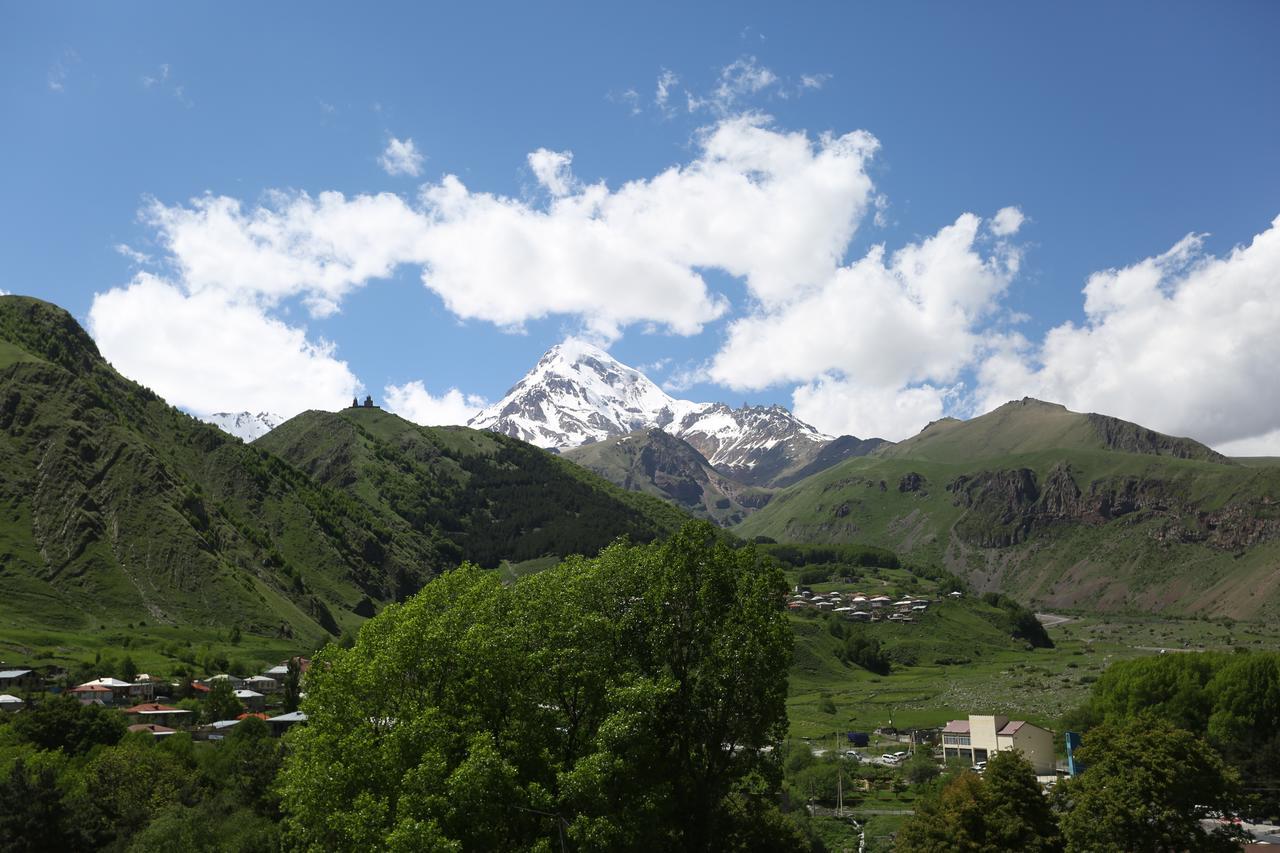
<point>620,702</point>
<point>1231,700</point>
<point>1146,787</point>
<point>1001,810</point>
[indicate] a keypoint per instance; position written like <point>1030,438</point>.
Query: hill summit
<point>1030,425</point>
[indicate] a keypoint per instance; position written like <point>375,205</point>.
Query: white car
<point>889,758</point>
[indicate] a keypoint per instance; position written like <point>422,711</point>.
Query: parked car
<point>852,753</point>
<point>889,758</point>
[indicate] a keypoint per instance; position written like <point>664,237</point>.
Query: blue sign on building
<point>1073,743</point>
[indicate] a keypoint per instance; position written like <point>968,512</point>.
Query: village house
<point>252,699</point>
<point>152,713</point>
<point>19,679</point>
<point>977,738</point>
<point>10,703</point>
<point>143,688</point>
<point>262,684</point>
<point>93,694</point>
<point>283,722</point>
<point>154,729</point>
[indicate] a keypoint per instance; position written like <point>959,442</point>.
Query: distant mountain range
<point>116,507</point>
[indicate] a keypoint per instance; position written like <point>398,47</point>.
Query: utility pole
<point>839,777</point>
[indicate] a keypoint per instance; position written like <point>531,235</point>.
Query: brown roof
<point>151,727</point>
<point>151,708</point>
<point>1012,727</point>
<point>957,727</point>
<point>90,688</point>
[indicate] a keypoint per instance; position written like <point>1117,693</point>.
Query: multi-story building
<point>979,737</point>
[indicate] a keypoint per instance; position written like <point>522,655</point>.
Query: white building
<point>979,737</point>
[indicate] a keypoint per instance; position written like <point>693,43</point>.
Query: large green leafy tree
<point>1002,810</point>
<point>1148,786</point>
<point>1232,700</point>
<point>221,703</point>
<point>616,703</point>
<point>292,685</point>
<point>63,723</point>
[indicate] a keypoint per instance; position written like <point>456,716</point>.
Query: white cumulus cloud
<point>1183,342</point>
<point>401,157</point>
<point>207,353</point>
<point>414,402</point>
<point>1007,221</point>
<point>887,327</point>
<point>775,208</point>
<point>553,169</point>
<point>845,407</point>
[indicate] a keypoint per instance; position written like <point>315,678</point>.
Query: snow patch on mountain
<point>246,425</point>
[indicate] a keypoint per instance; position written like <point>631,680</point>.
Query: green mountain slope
<point>478,495</point>
<point>116,508</point>
<point>1036,501</point>
<point>658,464</point>
<point>1030,425</point>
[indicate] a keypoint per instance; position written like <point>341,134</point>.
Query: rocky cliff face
<point>1134,438</point>
<point>1006,507</point>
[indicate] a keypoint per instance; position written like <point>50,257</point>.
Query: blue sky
<point>148,145</point>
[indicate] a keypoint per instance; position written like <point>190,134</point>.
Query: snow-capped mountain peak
<point>578,394</point>
<point>246,425</point>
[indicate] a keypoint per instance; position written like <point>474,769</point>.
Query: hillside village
<point>861,607</point>
<point>203,708</point>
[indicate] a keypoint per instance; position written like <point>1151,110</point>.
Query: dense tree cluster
<point>799,556</point>
<point>622,702</point>
<point>1230,700</point>
<point>1019,621</point>
<point>861,649</point>
<point>1148,787</point>
<point>1001,810</point>
<point>72,779</point>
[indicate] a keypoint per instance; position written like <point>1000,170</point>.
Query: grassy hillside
<point>1026,500</point>
<point>117,509</point>
<point>476,495</point>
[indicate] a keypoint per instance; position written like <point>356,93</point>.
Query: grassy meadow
<point>965,664</point>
